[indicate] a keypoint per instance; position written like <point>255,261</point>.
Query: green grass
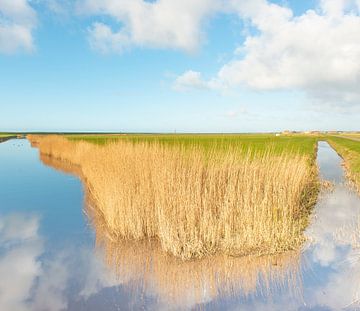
<point>305,145</point>
<point>5,136</point>
<point>349,150</point>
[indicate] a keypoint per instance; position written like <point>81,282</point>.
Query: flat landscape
<point>238,212</point>
<point>179,155</point>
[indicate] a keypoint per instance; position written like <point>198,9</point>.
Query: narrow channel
<point>51,257</point>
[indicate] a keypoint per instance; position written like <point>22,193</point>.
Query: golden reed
<point>144,267</point>
<point>194,203</point>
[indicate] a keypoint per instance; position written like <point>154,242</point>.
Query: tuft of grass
<point>349,150</point>
<point>195,202</point>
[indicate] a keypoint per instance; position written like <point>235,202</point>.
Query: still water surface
<point>54,257</point>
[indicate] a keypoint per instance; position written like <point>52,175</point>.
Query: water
<point>54,257</point>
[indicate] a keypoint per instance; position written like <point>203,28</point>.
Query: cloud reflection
<point>20,247</point>
<point>33,280</point>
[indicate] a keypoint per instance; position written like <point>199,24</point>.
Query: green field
<point>305,145</point>
<point>5,136</point>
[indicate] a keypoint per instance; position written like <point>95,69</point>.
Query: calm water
<point>53,257</point>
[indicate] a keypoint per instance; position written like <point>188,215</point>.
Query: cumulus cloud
<point>159,24</point>
<point>17,21</point>
<point>317,52</point>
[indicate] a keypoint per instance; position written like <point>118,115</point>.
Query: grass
<point>349,150</point>
<point>296,144</point>
<point>199,197</point>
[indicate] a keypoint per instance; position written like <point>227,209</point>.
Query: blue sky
<point>165,66</point>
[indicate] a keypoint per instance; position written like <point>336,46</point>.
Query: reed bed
<point>193,203</point>
<point>145,268</point>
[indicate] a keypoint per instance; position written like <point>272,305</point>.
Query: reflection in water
<point>19,250</point>
<point>31,280</point>
<point>137,275</point>
<point>336,269</point>
<point>186,284</point>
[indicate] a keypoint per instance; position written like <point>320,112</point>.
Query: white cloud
<point>62,8</point>
<point>193,80</point>
<point>159,24</point>
<point>190,79</point>
<point>17,21</point>
<point>317,52</point>
<point>103,39</point>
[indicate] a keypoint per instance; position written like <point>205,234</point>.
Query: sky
<point>185,66</point>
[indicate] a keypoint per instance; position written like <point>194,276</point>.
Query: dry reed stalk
<point>195,204</point>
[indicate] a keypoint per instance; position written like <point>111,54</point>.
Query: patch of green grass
<point>349,150</point>
<point>5,136</point>
<point>259,143</point>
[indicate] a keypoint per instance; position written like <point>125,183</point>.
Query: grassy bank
<point>4,137</point>
<point>197,201</point>
<point>349,149</point>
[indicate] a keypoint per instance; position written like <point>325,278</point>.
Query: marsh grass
<point>349,150</point>
<point>195,203</point>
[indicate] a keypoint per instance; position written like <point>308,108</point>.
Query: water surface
<point>54,255</point>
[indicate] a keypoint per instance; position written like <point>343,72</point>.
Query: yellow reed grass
<point>194,204</point>
<point>144,267</point>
